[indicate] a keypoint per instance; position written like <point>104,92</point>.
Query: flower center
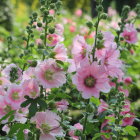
<point>48,75</point>
<point>7,109</point>
<point>50,38</point>
<point>90,81</point>
<point>1,82</point>
<point>46,128</point>
<point>15,96</point>
<point>33,94</point>
<point>127,37</point>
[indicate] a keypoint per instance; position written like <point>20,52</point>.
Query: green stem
<point>96,32</point>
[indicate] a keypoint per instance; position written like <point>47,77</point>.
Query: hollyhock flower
<point>31,88</point>
<point>105,124</point>
<point>130,34</point>
<point>38,41</point>
<point>72,28</point>
<point>125,91</point>
<point>80,49</point>
<point>109,57</point>
<point>128,80</point>
<point>12,72</point>
<point>78,12</point>
<point>128,119</point>
<point>29,74</point>
<point>72,66</point>
<point>26,132</point>
<point>132,51</point>
<point>6,128</point>
<point>14,96</point>
<point>48,123</point>
<point>21,115</point>
<point>111,12</point>
<point>62,105</point>
<point>126,108</point>
<point>77,126</point>
<point>5,107</point>
<point>108,38</point>
<point>102,107</point>
<point>4,82</point>
<point>2,91</point>
<point>60,52</point>
<point>53,39</point>
<point>59,29</point>
<point>51,12</point>
<point>49,74</point>
<point>90,79</point>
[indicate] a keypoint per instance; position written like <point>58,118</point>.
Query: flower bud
<point>77,133</point>
<point>89,24</point>
<point>103,16</point>
<point>90,108</point>
<point>39,24</point>
<point>51,30</point>
<point>100,8</point>
<point>32,44</point>
<point>34,14</point>
<point>52,104</point>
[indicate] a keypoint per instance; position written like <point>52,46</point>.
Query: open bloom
<point>128,119</point>
<point>14,96</point>
<point>130,34</point>
<point>12,72</point>
<point>91,79</point>
<point>53,39</point>
<point>80,49</point>
<point>60,52</point>
<point>109,57</point>
<point>31,88</point>
<point>76,126</point>
<point>78,12</point>
<point>62,105</point>
<point>48,123</point>
<point>102,107</point>
<point>49,74</point>
<point>59,29</point>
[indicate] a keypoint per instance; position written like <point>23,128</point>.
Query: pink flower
<point>60,52</point>
<point>128,80</point>
<point>102,107</point>
<point>90,79</point>
<point>48,123</point>
<point>109,57</point>
<point>128,119</point>
<point>130,34</point>
<point>80,49</point>
<point>72,28</point>
<point>53,39</point>
<point>31,88</point>
<point>13,70</point>
<point>78,12</point>
<point>62,105</point>
<point>49,74</point>
<point>51,12</point>
<point>4,82</point>
<point>107,130</point>
<point>14,96</point>
<point>5,107</point>
<point>126,108</point>
<point>59,29</point>
<point>111,12</point>
<point>77,126</point>
<point>38,41</point>
<point>29,74</point>
<point>6,128</point>
<point>21,115</point>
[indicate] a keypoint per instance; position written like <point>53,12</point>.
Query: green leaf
<point>7,115</point>
<point>42,103</point>
<point>94,100</point>
<point>97,135</point>
<point>25,103</point>
<point>130,130</point>
<point>33,109</point>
